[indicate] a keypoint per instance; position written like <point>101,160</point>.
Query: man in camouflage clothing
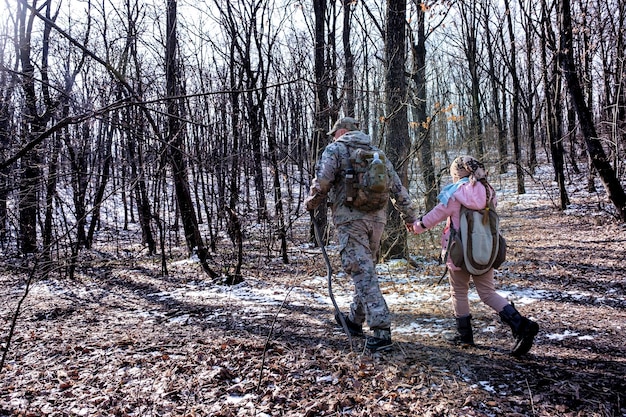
<point>359,233</point>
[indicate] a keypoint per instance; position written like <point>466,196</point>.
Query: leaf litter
<point>122,340</point>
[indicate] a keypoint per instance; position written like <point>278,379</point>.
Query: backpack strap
<point>348,176</point>
<point>445,257</point>
<point>453,233</point>
<point>345,163</point>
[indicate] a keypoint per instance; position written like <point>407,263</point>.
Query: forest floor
<point>122,340</point>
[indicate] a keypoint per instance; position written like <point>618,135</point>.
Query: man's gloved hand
<point>308,203</point>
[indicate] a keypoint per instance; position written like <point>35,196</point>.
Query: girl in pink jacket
<point>471,189</point>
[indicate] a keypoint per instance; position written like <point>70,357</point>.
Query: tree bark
<point>348,83</point>
<point>598,157</point>
<point>469,17</point>
<point>322,110</point>
<point>424,142</point>
<point>34,123</point>
<point>521,189</point>
<point>175,136</point>
<point>397,125</point>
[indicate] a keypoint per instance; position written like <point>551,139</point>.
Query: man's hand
<point>309,204</point>
<point>416,227</point>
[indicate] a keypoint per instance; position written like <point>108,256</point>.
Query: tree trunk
<point>107,157</point>
<point>528,103</point>
<point>51,193</point>
<point>571,135</point>
<point>34,123</point>
<point>7,87</point>
<point>322,110</point>
<point>278,195</point>
<point>470,33</point>
<point>555,130</point>
<point>521,189</point>
<point>424,142</point>
<point>78,163</point>
<point>397,124</point>
<point>175,139</point>
<point>137,178</point>
<point>495,78</point>
<point>348,83</point>
<point>554,112</point>
<point>599,159</point>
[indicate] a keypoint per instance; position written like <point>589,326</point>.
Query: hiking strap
<point>445,257</point>
<point>348,163</point>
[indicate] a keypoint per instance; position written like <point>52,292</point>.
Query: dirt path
<point>123,341</point>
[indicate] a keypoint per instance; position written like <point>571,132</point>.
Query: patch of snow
<point>328,378</point>
<point>561,336</point>
<point>238,399</point>
<point>487,386</point>
<point>433,328</point>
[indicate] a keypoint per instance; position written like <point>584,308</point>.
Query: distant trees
<point>198,124</point>
<point>597,153</point>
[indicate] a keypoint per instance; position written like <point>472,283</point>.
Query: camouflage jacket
<point>330,181</point>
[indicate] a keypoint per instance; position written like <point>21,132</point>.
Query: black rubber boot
<point>524,330</point>
<point>464,335</point>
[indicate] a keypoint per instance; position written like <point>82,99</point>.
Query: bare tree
<point>398,143</point>
<point>36,115</point>
<point>322,112</point>
<point>598,156</point>
<point>554,112</point>
<point>348,80</point>
<point>611,40</point>
<point>498,90</point>
<point>421,119</point>
<point>521,189</point>
<point>8,84</point>
<point>470,27</point>
<point>528,97</point>
<point>136,126</point>
<point>175,141</point>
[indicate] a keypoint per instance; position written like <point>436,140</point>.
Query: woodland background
<point>185,128</point>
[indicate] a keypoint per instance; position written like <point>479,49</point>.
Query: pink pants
<point>485,286</point>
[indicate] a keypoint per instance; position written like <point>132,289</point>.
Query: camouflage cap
<point>348,123</point>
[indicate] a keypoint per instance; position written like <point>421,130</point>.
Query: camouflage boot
<point>380,341</point>
<point>354,328</point>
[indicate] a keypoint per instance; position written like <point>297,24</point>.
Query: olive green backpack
<point>367,179</point>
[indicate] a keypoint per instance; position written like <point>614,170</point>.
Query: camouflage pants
<point>359,242</point>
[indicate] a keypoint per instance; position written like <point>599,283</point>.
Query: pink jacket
<point>470,195</point>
